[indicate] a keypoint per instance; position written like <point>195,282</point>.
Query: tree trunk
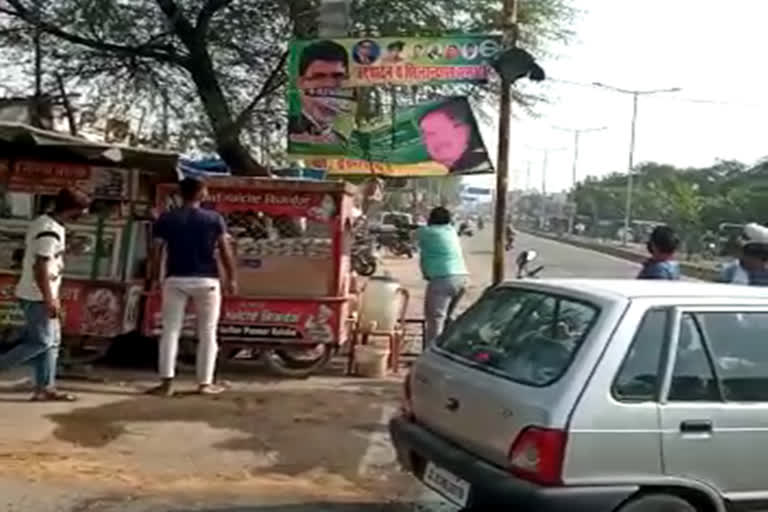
<point>225,133</point>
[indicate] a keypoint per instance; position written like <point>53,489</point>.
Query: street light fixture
<point>544,166</point>
<point>635,95</point>
<point>576,138</point>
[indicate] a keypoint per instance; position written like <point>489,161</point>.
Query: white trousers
<point>206,297</point>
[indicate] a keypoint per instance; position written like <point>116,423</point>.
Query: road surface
<point>314,446</point>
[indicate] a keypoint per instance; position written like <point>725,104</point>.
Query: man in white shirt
<point>38,294</point>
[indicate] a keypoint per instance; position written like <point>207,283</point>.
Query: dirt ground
<point>318,440</point>
<point>310,439</point>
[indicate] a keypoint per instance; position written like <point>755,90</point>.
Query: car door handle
<point>696,426</point>
<point>452,405</point>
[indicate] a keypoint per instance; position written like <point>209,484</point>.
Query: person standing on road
<point>38,293</point>
<point>443,267</point>
<point>191,236</point>
<point>662,264</point>
<point>750,268</point>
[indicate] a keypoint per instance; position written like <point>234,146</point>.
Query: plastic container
<point>380,304</point>
<point>371,361</point>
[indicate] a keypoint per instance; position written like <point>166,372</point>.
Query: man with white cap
<point>750,268</point>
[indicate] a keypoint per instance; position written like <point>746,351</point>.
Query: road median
<point>692,270</point>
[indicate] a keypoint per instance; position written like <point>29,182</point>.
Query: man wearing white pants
<point>191,236</point>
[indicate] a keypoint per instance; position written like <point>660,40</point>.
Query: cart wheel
<point>298,363</point>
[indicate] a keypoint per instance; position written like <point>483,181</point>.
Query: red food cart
<point>104,276</point>
<point>292,240</point>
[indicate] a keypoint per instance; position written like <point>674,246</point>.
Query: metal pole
<point>509,21</point>
<point>576,134</point>
<point>628,210</point>
<point>544,166</point>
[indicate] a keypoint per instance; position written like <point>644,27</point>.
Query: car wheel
<point>658,503</point>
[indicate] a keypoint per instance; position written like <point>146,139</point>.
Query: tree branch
<point>180,23</point>
<point>206,13</point>
<point>22,13</point>
<point>269,86</point>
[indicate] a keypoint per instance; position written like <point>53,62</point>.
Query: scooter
<point>524,259</point>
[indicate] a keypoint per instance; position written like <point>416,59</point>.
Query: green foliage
<point>691,200</point>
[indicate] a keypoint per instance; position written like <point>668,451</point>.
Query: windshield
<point>528,336</point>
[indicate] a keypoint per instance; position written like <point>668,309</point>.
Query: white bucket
<point>371,361</point>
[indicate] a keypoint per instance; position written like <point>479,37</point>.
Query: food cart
<point>292,242</point>
<point>106,249</point>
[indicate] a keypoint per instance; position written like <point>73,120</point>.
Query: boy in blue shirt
<point>662,264</point>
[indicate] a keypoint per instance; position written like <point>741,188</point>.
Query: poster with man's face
<point>321,111</point>
<point>431,139</point>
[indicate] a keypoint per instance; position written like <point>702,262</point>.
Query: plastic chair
<point>395,337</point>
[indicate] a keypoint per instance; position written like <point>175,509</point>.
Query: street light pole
<point>509,23</point>
<point>633,137</point>
<point>630,177</point>
<point>576,140</point>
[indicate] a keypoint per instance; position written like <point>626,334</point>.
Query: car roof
<point>644,288</point>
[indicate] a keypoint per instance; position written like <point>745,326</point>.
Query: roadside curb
<point>688,269</point>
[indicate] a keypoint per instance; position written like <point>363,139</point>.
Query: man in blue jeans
<point>442,265</point>
<point>38,293</point>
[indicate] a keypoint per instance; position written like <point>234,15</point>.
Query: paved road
<point>559,260</point>
<point>38,493</point>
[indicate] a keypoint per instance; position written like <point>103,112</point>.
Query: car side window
<point>739,346</point>
<point>640,375</point>
<point>693,379</point>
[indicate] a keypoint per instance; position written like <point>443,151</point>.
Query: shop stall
<point>292,240</point>
<point>106,249</point>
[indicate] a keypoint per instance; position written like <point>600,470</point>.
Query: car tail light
<point>407,397</point>
<point>537,455</point>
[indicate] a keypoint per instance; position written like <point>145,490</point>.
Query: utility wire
<point>701,101</point>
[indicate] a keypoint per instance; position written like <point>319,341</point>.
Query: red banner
<point>88,309</point>
<point>259,320</point>
<point>313,205</point>
<point>43,177</point>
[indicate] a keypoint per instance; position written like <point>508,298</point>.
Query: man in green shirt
<point>442,265</point>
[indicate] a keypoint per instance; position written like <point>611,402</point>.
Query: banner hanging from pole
<point>437,138</point>
<point>349,63</point>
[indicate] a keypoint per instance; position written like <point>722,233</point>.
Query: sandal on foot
<point>53,396</point>
<point>161,390</point>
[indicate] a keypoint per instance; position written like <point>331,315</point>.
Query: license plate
<point>447,484</point>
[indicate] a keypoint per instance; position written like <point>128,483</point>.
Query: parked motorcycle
<point>397,242</point>
<point>363,257</point>
<point>523,261</point>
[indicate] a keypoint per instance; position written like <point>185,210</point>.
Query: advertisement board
<point>45,177</point>
<point>430,139</point>
<point>88,308</point>
<point>227,200</point>
<point>366,62</point>
<point>261,320</point>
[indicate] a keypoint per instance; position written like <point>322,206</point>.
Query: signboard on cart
<point>44,177</point>
<point>261,320</point>
<point>88,308</point>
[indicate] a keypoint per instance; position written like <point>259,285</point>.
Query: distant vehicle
<point>594,396</point>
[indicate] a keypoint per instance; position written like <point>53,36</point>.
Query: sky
<point>711,49</point>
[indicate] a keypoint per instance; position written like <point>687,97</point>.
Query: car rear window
<point>527,336</point>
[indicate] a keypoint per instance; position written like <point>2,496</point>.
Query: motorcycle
<point>524,259</point>
<point>363,257</point>
<point>397,241</point>
<point>466,230</point>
